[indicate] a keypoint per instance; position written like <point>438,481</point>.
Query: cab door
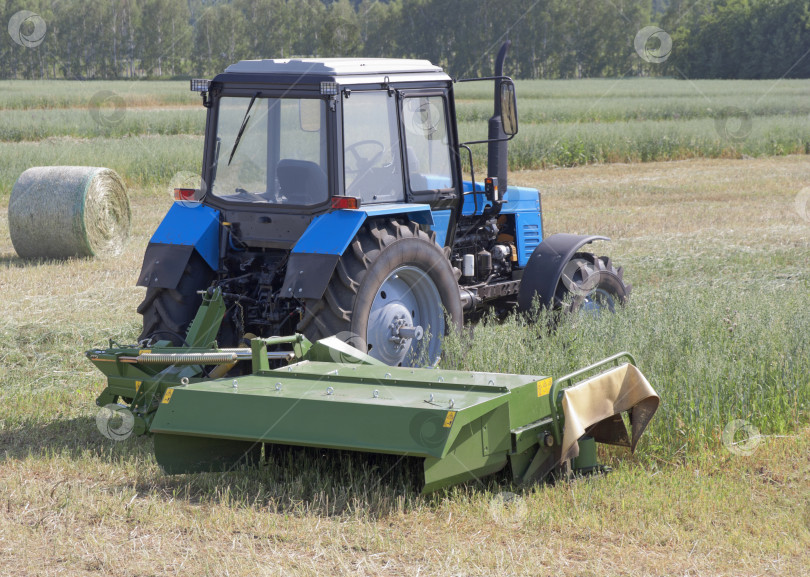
<point>430,163</point>
<point>372,151</point>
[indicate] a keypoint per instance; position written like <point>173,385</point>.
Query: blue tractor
<point>332,202</point>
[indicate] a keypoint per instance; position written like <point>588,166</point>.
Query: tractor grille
<point>530,233</point>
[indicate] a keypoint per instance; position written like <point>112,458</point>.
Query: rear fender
<point>314,257</point>
<point>545,267</point>
<point>186,228</point>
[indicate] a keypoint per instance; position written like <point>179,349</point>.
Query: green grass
<point>597,92</point>
<point>43,94</point>
<point>576,144</point>
<point>718,323</point>
<point>715,352</point>
<point>143,160</point>
<point>562,122</point>
<point>571,123</point>
<point>534,109</point>
<point>35,124</point>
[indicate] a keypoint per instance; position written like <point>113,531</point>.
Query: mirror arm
<point>472,180</point>
<point>502,77</point>
<point>507,139</point>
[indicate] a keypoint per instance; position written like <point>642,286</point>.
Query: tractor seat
<point>302,181</point>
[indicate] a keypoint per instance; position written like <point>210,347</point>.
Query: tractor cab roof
<point>340,70</point>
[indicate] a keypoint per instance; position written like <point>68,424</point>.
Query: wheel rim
<point>596,301</point>
<point>408,297</point>
<point>592,289</point>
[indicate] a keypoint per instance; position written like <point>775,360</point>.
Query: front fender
<point>545,267</point>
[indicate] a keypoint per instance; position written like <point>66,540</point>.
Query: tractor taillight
<point>185,194</point>
<point>345,202</point>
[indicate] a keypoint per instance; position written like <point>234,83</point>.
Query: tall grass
<point>33,125</point>
<point>639,106</point>
<point>562,122</point>
<point>713,353</point>
<point>31,94</point>
<point>575,122</point>
<point>574,144</point>
<point>141,160</point>
<point>599,90</point>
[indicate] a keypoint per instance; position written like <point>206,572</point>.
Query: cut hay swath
<point>68,211</point>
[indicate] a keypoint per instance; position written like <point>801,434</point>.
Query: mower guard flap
<point>594,407</point>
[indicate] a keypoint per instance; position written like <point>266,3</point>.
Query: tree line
<point>738,39</point>
<point>104,39</point>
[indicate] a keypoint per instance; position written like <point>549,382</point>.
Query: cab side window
<point>427,143</point>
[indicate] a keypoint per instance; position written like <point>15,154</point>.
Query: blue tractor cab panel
<point>332,232</point>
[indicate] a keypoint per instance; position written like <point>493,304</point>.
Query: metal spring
<point>187,358</point>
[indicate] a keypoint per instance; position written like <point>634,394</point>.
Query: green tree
<point>266,27</point>
<point>166,40</point>
<point>339,31</point>
<point>219,39</point>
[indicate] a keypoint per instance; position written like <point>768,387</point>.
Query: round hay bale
<point>65,211</point>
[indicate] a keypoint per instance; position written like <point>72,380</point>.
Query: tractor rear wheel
<point>388,296</point>
<point>591,284</point>
<point>167,313</point>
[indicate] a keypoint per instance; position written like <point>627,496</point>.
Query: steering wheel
<point>362,163</point>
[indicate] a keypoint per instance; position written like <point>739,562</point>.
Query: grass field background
<point>562,123</point>
<point>716,248</point>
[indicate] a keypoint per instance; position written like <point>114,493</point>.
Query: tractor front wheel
<point>591,284</point>
<point>388,296</point>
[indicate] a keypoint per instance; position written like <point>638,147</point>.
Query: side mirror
<point>509,119</point>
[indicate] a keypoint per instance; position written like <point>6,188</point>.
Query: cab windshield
<point>270,150</point>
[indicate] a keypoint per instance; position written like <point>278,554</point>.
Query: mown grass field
<point>716,248</point>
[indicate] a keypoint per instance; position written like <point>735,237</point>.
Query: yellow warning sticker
<point>543,387</point>
<point>168,396</point>
<point>448,420</point>
<point>138,385</point>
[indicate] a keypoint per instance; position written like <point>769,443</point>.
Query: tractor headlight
<point>329,88</point>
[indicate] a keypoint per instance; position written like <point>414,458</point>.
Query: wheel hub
<point>402,331</point>
<point>385,337</point>
<point>406,305</point>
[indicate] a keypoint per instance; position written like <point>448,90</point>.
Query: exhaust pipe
<point>497,152</point>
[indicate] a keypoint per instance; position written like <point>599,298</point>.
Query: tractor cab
<point>292,135</point>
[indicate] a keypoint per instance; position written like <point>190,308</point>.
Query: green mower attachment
<point>464,425</point>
